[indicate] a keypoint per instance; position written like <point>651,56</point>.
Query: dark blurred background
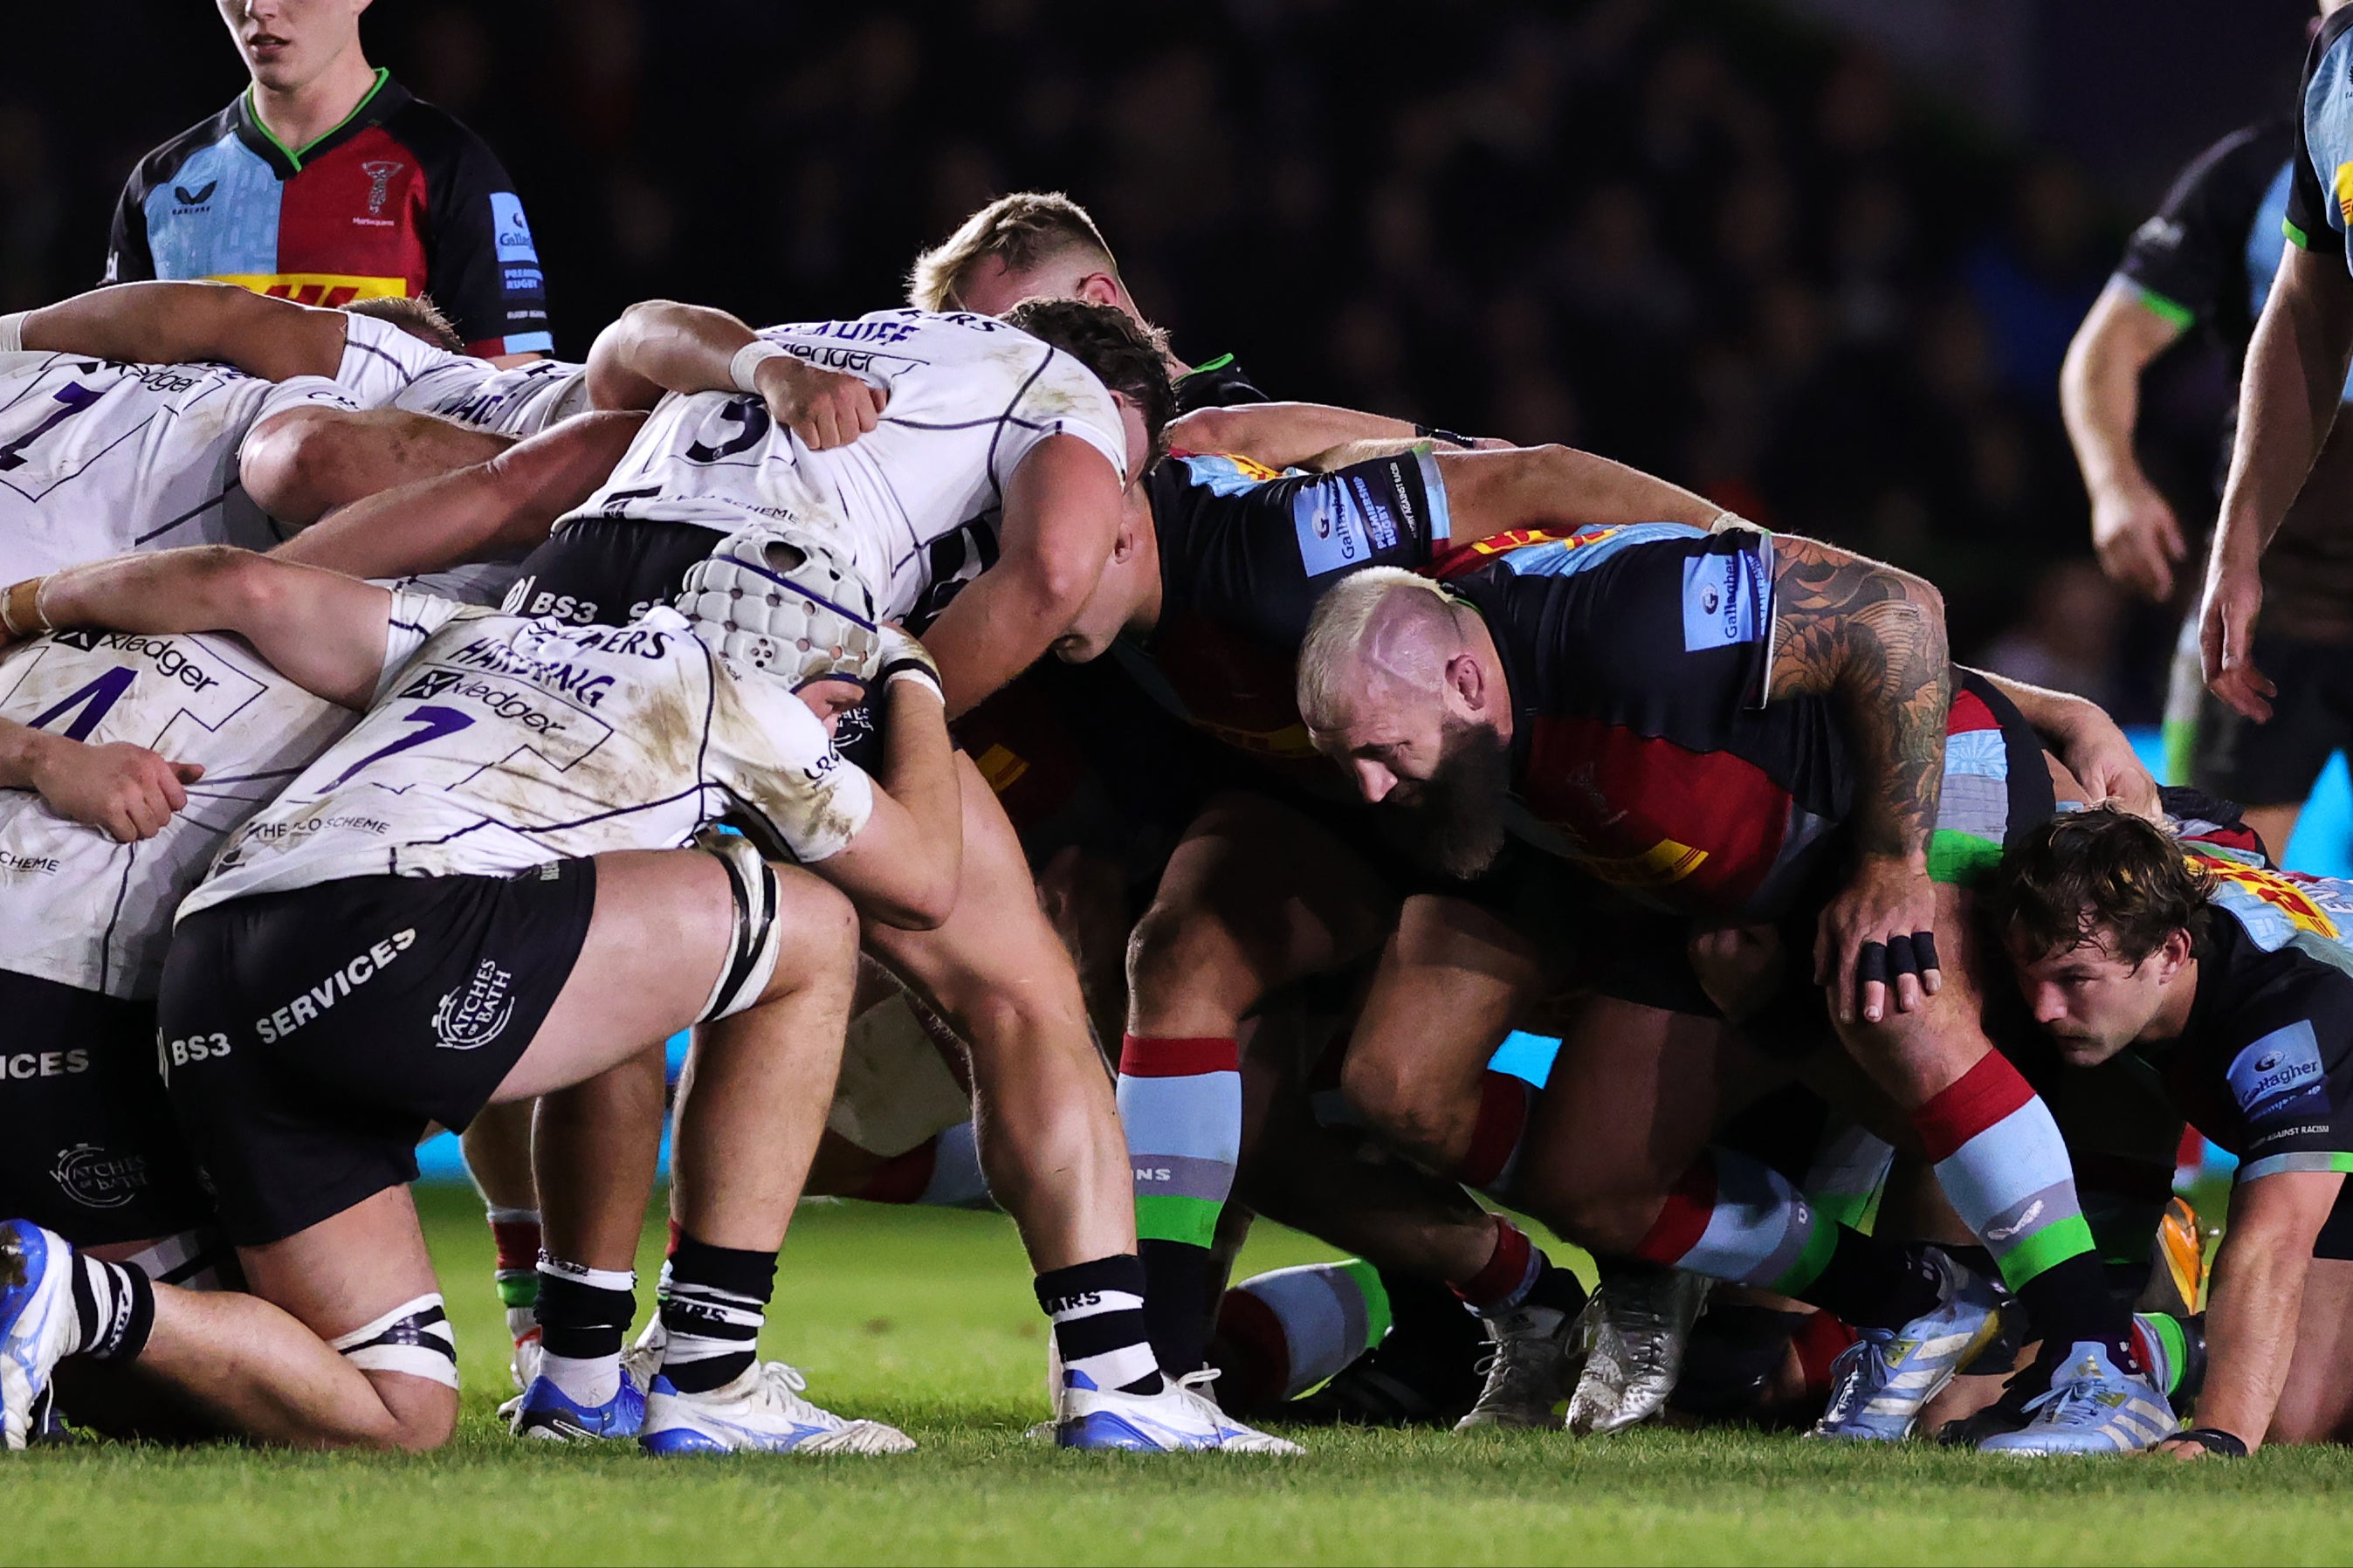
<point>1818,260</point>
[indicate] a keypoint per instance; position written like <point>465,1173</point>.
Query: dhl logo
<point>1249,468</point>
<point>2345,191</point>
<point>2280,893</point>
<point>331,289</point>
<point>1290,742</point>
<point>1001,768</point>
<point>1662,863</point>
<point>1469,556</point>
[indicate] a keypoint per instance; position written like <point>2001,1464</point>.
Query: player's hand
<point>2104,762</point>
<point>2226,633</point>
<point>903,654</point>
<point>127,793</point>
<point>1879,936</point>
<point>1739,967</point>
<point>2139,539</point>
<point>2180,1448</point>
<point>824,408</point>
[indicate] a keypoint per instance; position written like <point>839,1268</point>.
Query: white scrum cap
<point>780,601</point>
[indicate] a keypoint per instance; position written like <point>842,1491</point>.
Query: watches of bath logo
<point>475,1013</point>
<point>95,1179</point>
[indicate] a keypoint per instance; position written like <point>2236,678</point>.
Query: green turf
<point>925,1319</point>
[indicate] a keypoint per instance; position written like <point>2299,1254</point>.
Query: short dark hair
<point>416,315</point>
<point>1125,355</point>
<point>2085,875</point>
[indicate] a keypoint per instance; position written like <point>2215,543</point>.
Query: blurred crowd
<point>1687,235</point>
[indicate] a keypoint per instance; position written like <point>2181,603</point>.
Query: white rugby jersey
<point>98,458</point>
<point>385,367</point>
<point>914,501</point>
<point>506,743</point>
<point>74,906</point>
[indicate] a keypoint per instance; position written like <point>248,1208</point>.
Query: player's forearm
<point>998,626</point>
<point>919,773</point>
<point>2099,388</point>
<point>21,751</point>
<point>1555,485</point>
<point>661,345</point>
<point>2288,398</point>
<point>2056,716</point>
<point>2252,1316</point>
<point>1872,637</point>
<point>173,322</point>
<point>1281,435</point>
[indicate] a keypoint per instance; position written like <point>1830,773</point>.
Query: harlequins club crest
<point>476,1013</point>
<point>95,1179</point>
<point>379,172</point>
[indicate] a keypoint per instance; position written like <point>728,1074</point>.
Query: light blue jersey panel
<point>217,216</point>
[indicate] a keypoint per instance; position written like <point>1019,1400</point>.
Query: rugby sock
<point>515,1233</point>
<point>714,1300</point>
<point>1518,1274</point>
<point>1097,1311</point>
<point>114,1310</point>
<point>584,1316</point>
<point>2003,1166</point>
<point>2173,1349</point>
<point>1732,1217</point>
<point>1848,1171</point>
<point>1285,1331</point>
<point>1493,1161</point>
<point>1181,1103</point>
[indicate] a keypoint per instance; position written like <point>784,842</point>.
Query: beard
<point>1457,813</point>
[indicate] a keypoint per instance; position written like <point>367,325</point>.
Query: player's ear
<point>1097,288</point>
<point>1468,681</point>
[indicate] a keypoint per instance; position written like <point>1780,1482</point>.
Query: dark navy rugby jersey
<point>2208,255</point>
<point>1643,746</point>
<point>398,200</point>
<point>1245,552</point>
<point>1220,383</point>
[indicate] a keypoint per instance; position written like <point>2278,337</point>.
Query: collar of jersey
<point>373,106</point>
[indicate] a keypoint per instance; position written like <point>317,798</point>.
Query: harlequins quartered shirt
<point>396,201</point>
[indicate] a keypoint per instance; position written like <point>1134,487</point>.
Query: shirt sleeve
<point>380,360</point>
<point>774,760</point>
<point>1064,400</point>
<point>414,618</point>
<point>128,259</point>
<point>482,269</point>
<point>2183,257</point>
<point>2291,1080</point>
<point>2309,208</point>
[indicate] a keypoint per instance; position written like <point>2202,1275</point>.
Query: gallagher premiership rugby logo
<point>2279,1075</point>
<point>97,1180</point>
<point>475,1013</point>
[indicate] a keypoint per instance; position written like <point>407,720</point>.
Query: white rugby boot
<point>1182,1415</point>
<point>763,1412</point>
<point>1531,1367</point>
<point>1641,1326</point>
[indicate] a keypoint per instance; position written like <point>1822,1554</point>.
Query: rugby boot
<point>1530,1367</point>
<point>1180,1418</point>
<point>2092,1407</point>
<point>760,1412</point>
<point>36,1319</point>
<point>545,1412</point>
<point>1640,1323</point>
<point>523,1327</point>
<point>1879,1383</point>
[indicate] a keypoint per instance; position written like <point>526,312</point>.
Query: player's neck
<point>298,116</point>
<point>2172,1019</point>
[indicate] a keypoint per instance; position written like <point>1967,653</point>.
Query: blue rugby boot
<point>2093,1407</point>
<point>547,1412</point>
<point>1181,1416</point>
<point>1879,1383</point>
<point>36,1320</point>
<point>760,1412</point>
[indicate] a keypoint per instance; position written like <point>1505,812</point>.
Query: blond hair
<point>1353,619</point>
<point>1021,231</point>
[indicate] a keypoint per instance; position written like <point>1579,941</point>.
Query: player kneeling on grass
<point>2236,982</point>
<point>485,892</point>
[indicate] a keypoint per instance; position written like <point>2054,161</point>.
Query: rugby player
<point>2206,260</point>
<point>2187,952</point>
<point>528,788</point>
<point>2295,380</point>
<point>325,181</point>
<point>1729,725</point>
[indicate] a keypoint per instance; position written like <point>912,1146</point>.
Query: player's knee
<point>1398,1101</point>
<point>411,1360</point>
<point>1181,950</point>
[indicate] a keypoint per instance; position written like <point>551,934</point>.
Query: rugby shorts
<point>309,1038</point>
<point>91,1150</point>
<point>606,571</point>
<point>2220,750</point>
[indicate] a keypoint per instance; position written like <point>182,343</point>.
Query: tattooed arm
<point>1872,639</point>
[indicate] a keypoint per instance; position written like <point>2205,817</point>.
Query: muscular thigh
<point>1287,894</point>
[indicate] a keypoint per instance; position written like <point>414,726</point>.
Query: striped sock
<point>114,1309</point>
<point>1731,1217</point>
<point>1493,1163</point>
<point>515,1233</point>
<point>1849,1172</point>
<point>1097,1311</point>
<point>715,1300</point>
<point>1287,1330</point>
<point>1511,1271</point>
<point>2002,1162</point>
<point>584,1316</point>
<point>2173,1349</point>
<point>1181,1103</point>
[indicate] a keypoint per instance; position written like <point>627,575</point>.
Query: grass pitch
<point>925,1318</point>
